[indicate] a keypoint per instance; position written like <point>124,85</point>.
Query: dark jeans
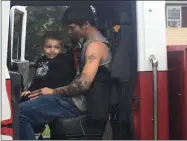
<point>42,110</point>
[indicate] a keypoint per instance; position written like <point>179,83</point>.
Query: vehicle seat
<point>87,126</point>
<point>77,128</point>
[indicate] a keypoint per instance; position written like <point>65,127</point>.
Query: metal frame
<point>21,9</point>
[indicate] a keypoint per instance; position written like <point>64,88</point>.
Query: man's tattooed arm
<point>77,87</point>
<point>84,81</point>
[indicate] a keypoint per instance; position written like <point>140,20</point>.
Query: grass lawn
<point>46,131</point>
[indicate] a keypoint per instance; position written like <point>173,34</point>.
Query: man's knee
<point>24,115</point>
<point>22,107</point>
<point>28,105</point>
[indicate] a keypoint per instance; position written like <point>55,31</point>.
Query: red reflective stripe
<point>5,130</point>
<point>8,89</point>
<point>7,121</point>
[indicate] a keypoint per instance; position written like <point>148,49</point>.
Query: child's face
<point>52,48</point>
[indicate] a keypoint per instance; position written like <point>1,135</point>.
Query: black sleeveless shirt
<point>96,100</point>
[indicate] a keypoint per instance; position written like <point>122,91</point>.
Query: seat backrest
<point>23,68</point>
<point>120,67</point>
<point>123,73</point>
<point>98,95</point>
<point>121,55</point>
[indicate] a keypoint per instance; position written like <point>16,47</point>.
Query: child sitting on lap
<point>54,68</point>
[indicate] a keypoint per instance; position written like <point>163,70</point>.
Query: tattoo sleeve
<point>79,85</point>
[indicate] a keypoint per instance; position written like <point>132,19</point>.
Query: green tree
<point>39,20</point>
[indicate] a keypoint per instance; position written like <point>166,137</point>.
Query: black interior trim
<point>133,77</point>
<point>53,3</point>
<point>16,86</point>
<point>135,58</point>
<point>123,124</point>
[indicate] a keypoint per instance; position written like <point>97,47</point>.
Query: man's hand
<point>36,93</point>
<point>25,93</point>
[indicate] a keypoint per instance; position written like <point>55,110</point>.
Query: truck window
<point>18,18</point>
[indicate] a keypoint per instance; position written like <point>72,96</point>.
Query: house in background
<point>176,22</point>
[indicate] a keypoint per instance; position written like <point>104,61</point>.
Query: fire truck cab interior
<point>117,21</point>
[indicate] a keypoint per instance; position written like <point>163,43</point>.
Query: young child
<point>54,68</point>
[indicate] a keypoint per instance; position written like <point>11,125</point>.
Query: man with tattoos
<point>81,95</point>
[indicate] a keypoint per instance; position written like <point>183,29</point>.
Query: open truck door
<point>14,68</point>
<point>18,66</point>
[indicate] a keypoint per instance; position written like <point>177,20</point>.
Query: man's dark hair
<point>79,15</point>
<point>54,35</point>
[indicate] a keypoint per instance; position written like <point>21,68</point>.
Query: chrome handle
<point>154,62</point>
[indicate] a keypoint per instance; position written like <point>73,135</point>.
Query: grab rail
<point>154,62</point>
